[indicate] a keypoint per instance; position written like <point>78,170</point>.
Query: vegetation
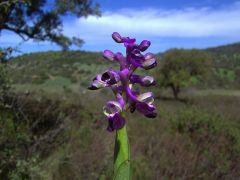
<point>51,127</point>
<point>181,68</point>
<point>226,66</point>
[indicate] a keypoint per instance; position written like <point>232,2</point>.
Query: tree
<point>4,81</point>
<point>180,68</point>
<point>34,19</point>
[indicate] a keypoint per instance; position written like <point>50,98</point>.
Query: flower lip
<point>115,122</point>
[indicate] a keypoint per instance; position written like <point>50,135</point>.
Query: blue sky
<point>167,23</point>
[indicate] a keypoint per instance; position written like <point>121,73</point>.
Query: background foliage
<point>52,126</point>
<point>181,68</point>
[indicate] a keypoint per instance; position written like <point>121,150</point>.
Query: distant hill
<point>81,65</point>
<point>62,56</point>
<point>227,56</point>
<point>231,51</point>
<point>225,49</point>
<point>226,62</point>
<point>37,68</point>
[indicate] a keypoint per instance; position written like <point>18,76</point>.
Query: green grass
<point>58,84</point>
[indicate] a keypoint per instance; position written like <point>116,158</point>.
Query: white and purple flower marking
<point>121,82</point>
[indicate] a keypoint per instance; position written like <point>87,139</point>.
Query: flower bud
<point>144,45</point>
<point>107,54</point>
<point>117,37</point>
<point>147,81</point>
<point>150,61</point>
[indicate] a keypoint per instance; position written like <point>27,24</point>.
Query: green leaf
<point>121,156</point>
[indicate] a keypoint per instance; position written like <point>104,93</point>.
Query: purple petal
<point>118,121</point>
<point>110,126</point>
<point>96,85</point>
<point>115,122</point>
<point>144,45</point>
<point>119,56</point>
<point>137,58</point>
<point>128,41</point>
<point>135,79</point>
<point>120,100</point>
<point>117,37</point>
<point>120,88</point>
<point>137,54</point>
<point>107,54</point>
<point>146,109</point>
<point>124,72</point>
<point>144,81</point>
<point>121,59</point>
<point>131,95</point>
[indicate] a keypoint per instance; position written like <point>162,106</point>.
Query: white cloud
<point>189,22</point>
<point>163,27</point>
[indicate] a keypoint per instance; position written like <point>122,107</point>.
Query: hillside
<point>226,62</point>
<point>71,66</point>
<point>225,49</point>
<point>62,56</point>
<point>227,56</point>
<point>80,66</point>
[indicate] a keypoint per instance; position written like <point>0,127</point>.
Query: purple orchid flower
<point>121,82</point>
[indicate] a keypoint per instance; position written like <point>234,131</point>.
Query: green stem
<point>121,155</point>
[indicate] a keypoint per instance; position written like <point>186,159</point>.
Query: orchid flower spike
<point>121,82</point>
